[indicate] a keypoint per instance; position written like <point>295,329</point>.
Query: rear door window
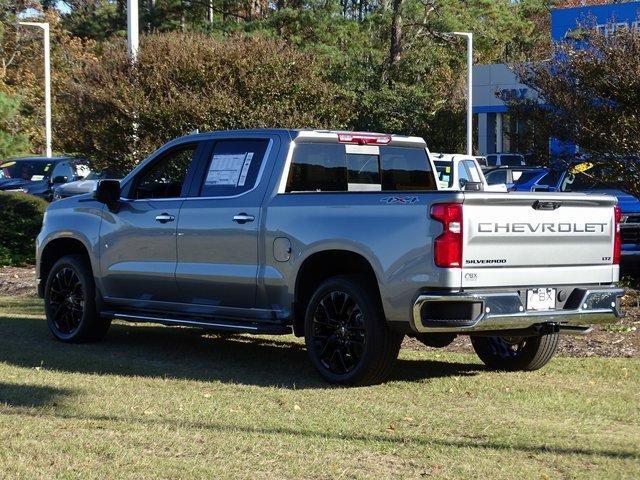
<point>234,167</point>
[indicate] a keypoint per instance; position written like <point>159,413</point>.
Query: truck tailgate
<point>537,239</point>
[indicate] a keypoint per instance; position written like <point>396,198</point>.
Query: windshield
<point>527,176</point>
<point>589,176</point>
<point>512,160</point>
<point>445,175</point>
<point>32,170</point>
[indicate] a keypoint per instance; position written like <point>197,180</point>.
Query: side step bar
<point>222,325</point>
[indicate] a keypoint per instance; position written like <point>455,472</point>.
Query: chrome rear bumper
<point>505,311</point>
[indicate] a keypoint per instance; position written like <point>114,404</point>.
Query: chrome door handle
<point>243,218</point>
<point>164,218</point>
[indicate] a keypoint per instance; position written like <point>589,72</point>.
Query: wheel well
<point>55,250</point>
<point>319,267</point>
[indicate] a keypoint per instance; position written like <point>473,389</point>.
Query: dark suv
<point>38,175</point>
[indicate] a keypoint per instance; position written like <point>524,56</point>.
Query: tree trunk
<point>151,5</point>
<point>395,45</point>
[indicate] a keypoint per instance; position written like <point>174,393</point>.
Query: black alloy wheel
<point>70,301</point>
<point>347,335</point>
<point>338,336</point>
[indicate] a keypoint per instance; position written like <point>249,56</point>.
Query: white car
<point>455,171</point>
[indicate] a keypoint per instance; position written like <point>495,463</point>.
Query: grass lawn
<point>155,402</point>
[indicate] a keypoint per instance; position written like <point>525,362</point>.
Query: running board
<point>209,324</point>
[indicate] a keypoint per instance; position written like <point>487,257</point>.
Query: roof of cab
<point>315,135</point>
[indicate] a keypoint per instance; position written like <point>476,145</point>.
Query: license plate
<point>541,299</point>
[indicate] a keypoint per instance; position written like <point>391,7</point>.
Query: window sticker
<point>245,169</point>
<point>37,178</point>
<point>227,169</point>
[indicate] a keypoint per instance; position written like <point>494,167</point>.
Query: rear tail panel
<point>537,239</point>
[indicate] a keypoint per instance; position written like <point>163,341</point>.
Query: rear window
<point>512,160</point>
<point>497,177</point>
<point>318,167</point>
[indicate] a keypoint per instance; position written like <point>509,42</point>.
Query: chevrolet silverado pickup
<point>341,238</point>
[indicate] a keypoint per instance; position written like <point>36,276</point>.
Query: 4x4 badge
<point>399,200</point>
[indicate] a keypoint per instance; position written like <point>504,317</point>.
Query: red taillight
<point>364,139</point>
<point>617,236</point>
<point>447,247</point>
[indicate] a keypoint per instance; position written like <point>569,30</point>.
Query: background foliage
<point>20,224</point>
<point>383,65</point>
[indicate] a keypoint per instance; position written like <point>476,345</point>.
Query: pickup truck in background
<point>462,172</point>
<point>342,238</point>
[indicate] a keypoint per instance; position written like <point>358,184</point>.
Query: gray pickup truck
<point>343,238</point>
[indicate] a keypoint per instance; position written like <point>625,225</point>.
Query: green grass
<point>154,402</point>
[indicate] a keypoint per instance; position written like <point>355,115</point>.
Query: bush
<point>20,222</point>
<point>184,82</point>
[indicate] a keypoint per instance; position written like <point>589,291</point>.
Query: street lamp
<point>132,29</point>
<point>47,81</point>
<point>469,37</point>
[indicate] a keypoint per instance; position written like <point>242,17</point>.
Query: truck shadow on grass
<point>31,396</point>
<point>163,352</point>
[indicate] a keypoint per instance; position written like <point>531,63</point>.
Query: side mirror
<point>108,192</point>
<point>473,187</point>
<point>59,179</point>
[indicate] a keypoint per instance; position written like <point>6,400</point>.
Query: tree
<point>187,81</point>
<point>591,96</point>
<point>12,141</point>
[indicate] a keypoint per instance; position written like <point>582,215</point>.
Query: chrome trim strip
<point>597,305</point>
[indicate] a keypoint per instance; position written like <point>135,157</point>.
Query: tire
<point>70,303</point>
<point>347,337</point>
<point>516,353</point>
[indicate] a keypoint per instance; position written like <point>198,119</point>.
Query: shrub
<point>184,82</point>
<point>20,222</point>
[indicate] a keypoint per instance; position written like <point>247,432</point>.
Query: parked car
<point>343,238</point>
<point>38,175</point>
<point>458,172</point>
<point>591,177</point>
<point>86,185</point>
<point>505,160</point>
<point>509,176</point>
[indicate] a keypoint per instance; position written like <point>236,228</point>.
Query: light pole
<point>47,81</point>
<point>469,37</point>
<point>132,29</point>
